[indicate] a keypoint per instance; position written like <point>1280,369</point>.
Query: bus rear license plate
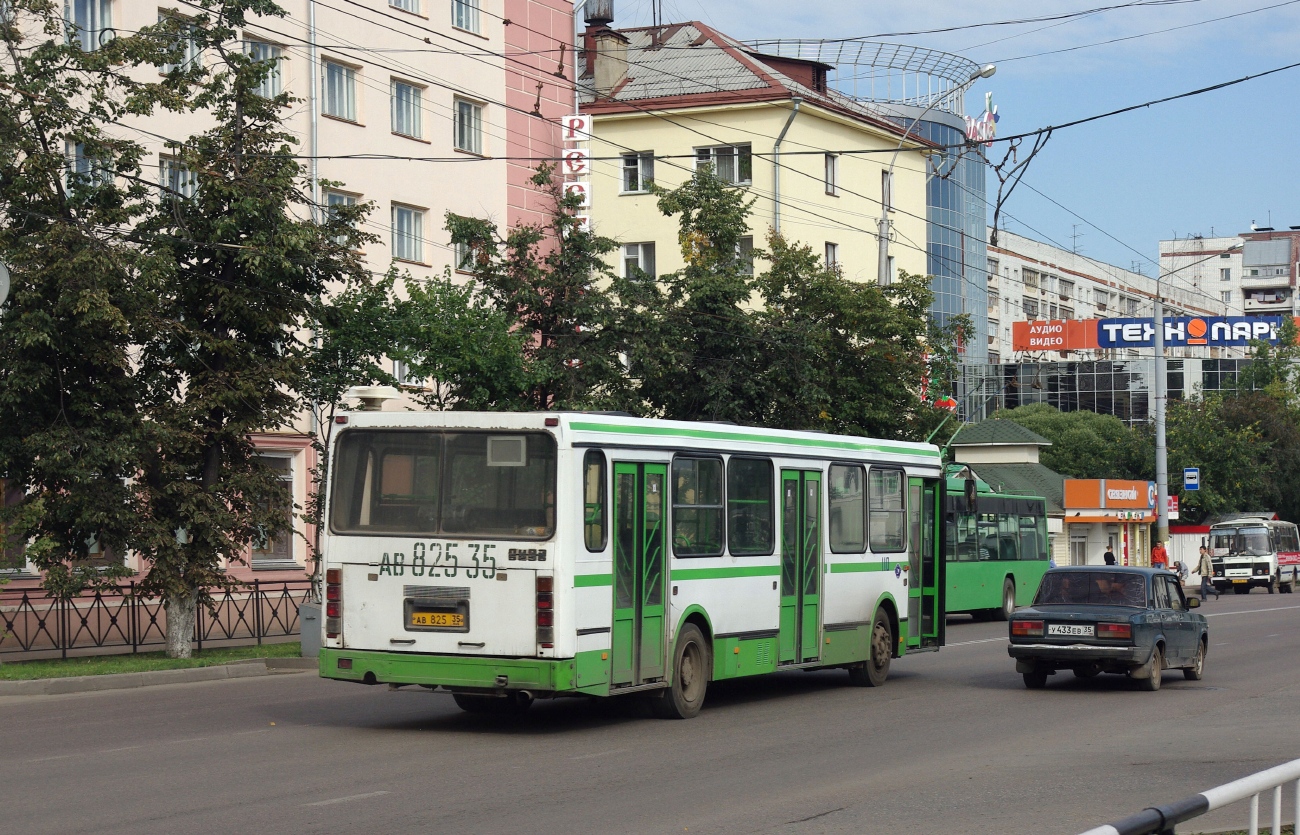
<point>1240,580</point>
<point>1072,630</point>
<point>451,619</point>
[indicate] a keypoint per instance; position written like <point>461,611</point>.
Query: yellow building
<point>666,99</point>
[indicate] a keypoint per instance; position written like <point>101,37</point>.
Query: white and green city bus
<point>507,556</point>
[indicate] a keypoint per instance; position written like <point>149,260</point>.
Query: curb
<point>250,668</point>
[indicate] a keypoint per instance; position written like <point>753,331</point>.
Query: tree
<point>552,285</point>
<point>70,401</point>
<point>1236,461</point>
<point>1085,444</point>
<point>237,261</point>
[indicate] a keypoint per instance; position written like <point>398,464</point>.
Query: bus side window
<point>594,506</point>
<point>1031,546</point>
<point>1008,537</point>
<point>887,529</point>
<point>848,520</point>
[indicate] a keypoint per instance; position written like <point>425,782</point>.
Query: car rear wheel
<point>1197,670</point>
<point>1090,671</point>
<point>1157,668</point>
<point>1008,600</point>
<point>1035,679</point>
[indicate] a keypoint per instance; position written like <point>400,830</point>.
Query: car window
<point>1094,588</point>
<point>1176,598</point>
<point>1161,590</point>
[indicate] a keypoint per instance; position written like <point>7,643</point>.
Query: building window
<point>407,118</point>
<point>1030,306</point>
<point>639,259</point>
<point>1031,279</point>
<point>408,233</point>
<point>1132,307</point>
<point>190,53</point>
<point>175,178</point>
<point>993,269</point>
<point>1067,312</point>
<point>993,301</point>
<point>745,252</point>
<point>1227,297</point>
<point>1225,274</point>
<point>412,6</point>
<point>731,163</point>
<point>86,170</point>
<point>1067,289</point>
<point>887,189</point>
<point>334,200</point>
<point>273,84</point>
<point>340,91</point>
<point>464,15</point>
<point>89,22</point>
<point>469,126</point>
<point>463,254</point>
<point>638,172</point>
<point>278,548</point>
<point>1052,311</point>
<point>832,256</point>
<point>1100,298</point>
<point>832,175</point>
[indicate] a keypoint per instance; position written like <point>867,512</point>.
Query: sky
<point>1209,164</point>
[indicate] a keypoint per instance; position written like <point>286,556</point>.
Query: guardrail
<point>33,624</point>
<point>1161,820</point>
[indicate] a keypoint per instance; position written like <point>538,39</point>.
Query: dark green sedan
<point>1106,619</point>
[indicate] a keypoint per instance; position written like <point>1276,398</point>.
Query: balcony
<point>1271,280</point>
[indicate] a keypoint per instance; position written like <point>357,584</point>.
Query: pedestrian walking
<point>1205,568</point>
<point>1159,556</point>
<point>1109,556</point>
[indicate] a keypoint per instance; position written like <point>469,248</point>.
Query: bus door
<point>801,566</point>
<point>924,604</point>
<point>639,623</point>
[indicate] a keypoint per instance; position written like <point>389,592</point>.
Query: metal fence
<point>1162,820</point>
<point>120,618</point>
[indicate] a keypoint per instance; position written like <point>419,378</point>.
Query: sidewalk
<point>127,681</point>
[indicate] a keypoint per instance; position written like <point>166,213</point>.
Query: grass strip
<point>99,665</point>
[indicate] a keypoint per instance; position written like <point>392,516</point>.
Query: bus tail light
<point>1115,631</point>
<point>546,611</point>
<point>333,602</point>
<point>1026,629</point>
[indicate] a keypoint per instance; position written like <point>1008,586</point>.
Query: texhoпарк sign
<point>1088,334</point>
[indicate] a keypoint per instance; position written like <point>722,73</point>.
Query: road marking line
<point>599,754</point>
<point>345,799</point>
<point>981,641</point>
<point>48,759</point>
<point>1252,611</point>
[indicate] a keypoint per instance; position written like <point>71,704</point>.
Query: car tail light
<point>546,611</point>
<point>1026,628</point>
<point>1115,631</point>
<point>333,602</point>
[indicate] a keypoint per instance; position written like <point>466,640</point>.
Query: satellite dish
<point>4,282</point>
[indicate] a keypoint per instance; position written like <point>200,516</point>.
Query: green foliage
<point>1085,444</point>
<point>551,284</point>
<point>1237,464</point>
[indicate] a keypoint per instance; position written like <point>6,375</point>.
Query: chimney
<point>604,50</point>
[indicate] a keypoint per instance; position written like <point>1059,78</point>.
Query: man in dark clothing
<point>1109,556</point>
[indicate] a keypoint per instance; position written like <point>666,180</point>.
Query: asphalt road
<point>952,744</point>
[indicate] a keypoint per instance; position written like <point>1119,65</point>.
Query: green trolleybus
<point>996,547</point>
<point>507,557</point>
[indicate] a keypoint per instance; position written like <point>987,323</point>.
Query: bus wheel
<point>691,665</point>
<point>1008,600</point>
<point>874,671</point>
<point>1272,584</point>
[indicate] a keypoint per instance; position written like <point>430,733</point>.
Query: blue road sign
<point>1191,478</point>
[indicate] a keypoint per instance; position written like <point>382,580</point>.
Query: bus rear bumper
<point>454,672</point>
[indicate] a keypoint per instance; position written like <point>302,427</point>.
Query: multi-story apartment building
<point>667,99</point>
<point>421,107</point>
<point>1255,271</point>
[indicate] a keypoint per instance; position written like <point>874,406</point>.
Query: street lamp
<point>883,278</point>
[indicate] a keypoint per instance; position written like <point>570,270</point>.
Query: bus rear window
<point>464,484</point>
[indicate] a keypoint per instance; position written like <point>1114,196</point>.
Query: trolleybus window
<point>697,507</point>
<point>749,506</point>
<point>593,500</point>
<point>888,520</point>
<point>460,484</point>
<point>847,509</point>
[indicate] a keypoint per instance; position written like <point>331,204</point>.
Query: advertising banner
<point>1087,334</point>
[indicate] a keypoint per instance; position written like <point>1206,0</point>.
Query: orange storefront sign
<point>1054,335</point>
<point>1109,494</point>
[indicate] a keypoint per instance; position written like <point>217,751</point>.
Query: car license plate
<point>1240,580</point>
<point>1072,630</point>
<point>451,619</point>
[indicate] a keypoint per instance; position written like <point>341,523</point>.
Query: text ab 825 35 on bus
<point>508,557</point>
